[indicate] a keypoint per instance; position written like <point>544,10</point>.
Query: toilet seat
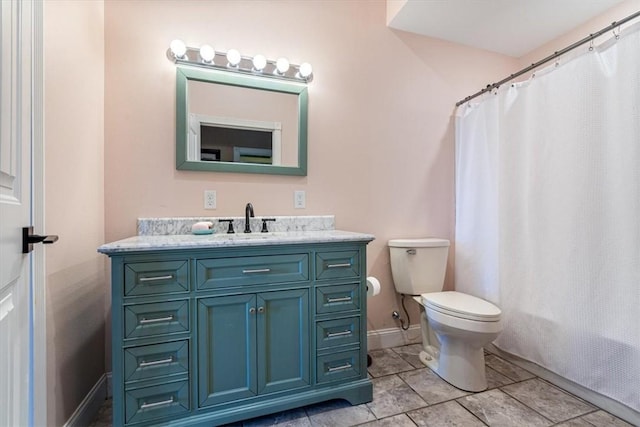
<point>457,304</point>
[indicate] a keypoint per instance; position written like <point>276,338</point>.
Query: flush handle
<point>411,251</point>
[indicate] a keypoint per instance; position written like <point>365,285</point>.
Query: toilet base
<point>429,361</point>
<point>462,366</point>
<point>466,373</point>
<point>458,362</point>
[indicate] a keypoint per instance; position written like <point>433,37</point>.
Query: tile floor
<point>407,394</point>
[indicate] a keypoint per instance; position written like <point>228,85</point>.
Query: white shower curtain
<point>548,215</point>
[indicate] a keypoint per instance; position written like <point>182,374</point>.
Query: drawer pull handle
<point>345,265</point>
<point>338,334</point>
<point>340,368</point>
<point>144,364</point>
<point>258,270</point>
<point>156,320</point>
<point>341,299</point>
<point>156,278</point>
<point>146,405</point>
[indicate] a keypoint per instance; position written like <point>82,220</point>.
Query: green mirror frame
<point>185,74</point>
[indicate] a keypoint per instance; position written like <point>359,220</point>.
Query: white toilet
<point>462,323</point>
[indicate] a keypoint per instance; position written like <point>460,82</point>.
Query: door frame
<point>39,390</point>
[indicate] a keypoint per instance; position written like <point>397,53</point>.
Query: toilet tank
<point>418,266</point>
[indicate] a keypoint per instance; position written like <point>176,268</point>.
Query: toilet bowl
<point>462,324</point>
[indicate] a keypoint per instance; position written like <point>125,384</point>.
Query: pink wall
<point>616,13</point>
<point>74,202</point>
<point>380,119</point>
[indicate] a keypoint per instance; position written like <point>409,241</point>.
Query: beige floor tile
<point>430,386</point>
<point>496,408</point>
<point>294,418</point>
<point>401,420</point>
<point>548,400</point>
<point>604,419</point>
<point>411,353</point>
<point>449,414</point>
<point>387,362</point>
<point>576,422</point>
<point>507,369</point>
<point>495,379</point>
<point>393,396</point>
<point>338,413</point>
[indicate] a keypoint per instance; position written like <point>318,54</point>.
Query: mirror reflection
<point>238,123</point>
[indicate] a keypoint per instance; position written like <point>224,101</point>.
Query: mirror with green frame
<point>230,122</point>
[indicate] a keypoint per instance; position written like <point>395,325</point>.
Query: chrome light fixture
<point>233,61</point>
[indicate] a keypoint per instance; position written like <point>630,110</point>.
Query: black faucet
<point>248,212</point>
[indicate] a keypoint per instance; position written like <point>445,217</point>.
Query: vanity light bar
<point>232,61</point>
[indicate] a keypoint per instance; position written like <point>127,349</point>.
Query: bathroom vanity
<point>213,329</point>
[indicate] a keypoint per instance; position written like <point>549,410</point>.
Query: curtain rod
<point>550,57</point>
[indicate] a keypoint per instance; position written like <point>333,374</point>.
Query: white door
<point>16,327</point>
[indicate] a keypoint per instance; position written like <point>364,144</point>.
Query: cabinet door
<point>283,340</point>
<point>226,349</point>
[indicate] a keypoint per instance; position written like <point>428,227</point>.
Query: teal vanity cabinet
<point>252,344</point>
<point>213,334</point>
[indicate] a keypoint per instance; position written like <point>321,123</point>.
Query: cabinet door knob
<point>252,310</point>
<point>261,310</point>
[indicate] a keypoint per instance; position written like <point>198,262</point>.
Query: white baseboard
<point>393,337</point>
<point>612,406</point>
<point>88,408</point>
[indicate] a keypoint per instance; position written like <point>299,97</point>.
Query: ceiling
<point>510,27</point>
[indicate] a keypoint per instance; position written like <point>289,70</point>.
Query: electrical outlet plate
<point>210,199</point>
<point>299,199</point>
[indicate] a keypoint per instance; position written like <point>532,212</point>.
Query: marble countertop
<point>216,240</point>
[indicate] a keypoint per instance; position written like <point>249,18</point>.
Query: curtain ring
<point>616,35</point>
<point>591,46</point>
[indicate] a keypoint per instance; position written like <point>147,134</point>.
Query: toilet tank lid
<point>428,242</point>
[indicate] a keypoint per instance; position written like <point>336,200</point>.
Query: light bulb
<point>305,70</point>
<point>233,56</point>
<point>282,65</point>
<point>207,53</point>
<point>259,62</point>
<point>178,48</point>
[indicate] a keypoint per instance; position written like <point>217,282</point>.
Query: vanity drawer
<point>157,360</point>
<point>337,264</point>
<point>338,366</point>
<point>148,278</point>
<point>331,299</point>
<point>334,333</point>
<point>148,403</point>
<point>252,270</point>
<point>146,320</point>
